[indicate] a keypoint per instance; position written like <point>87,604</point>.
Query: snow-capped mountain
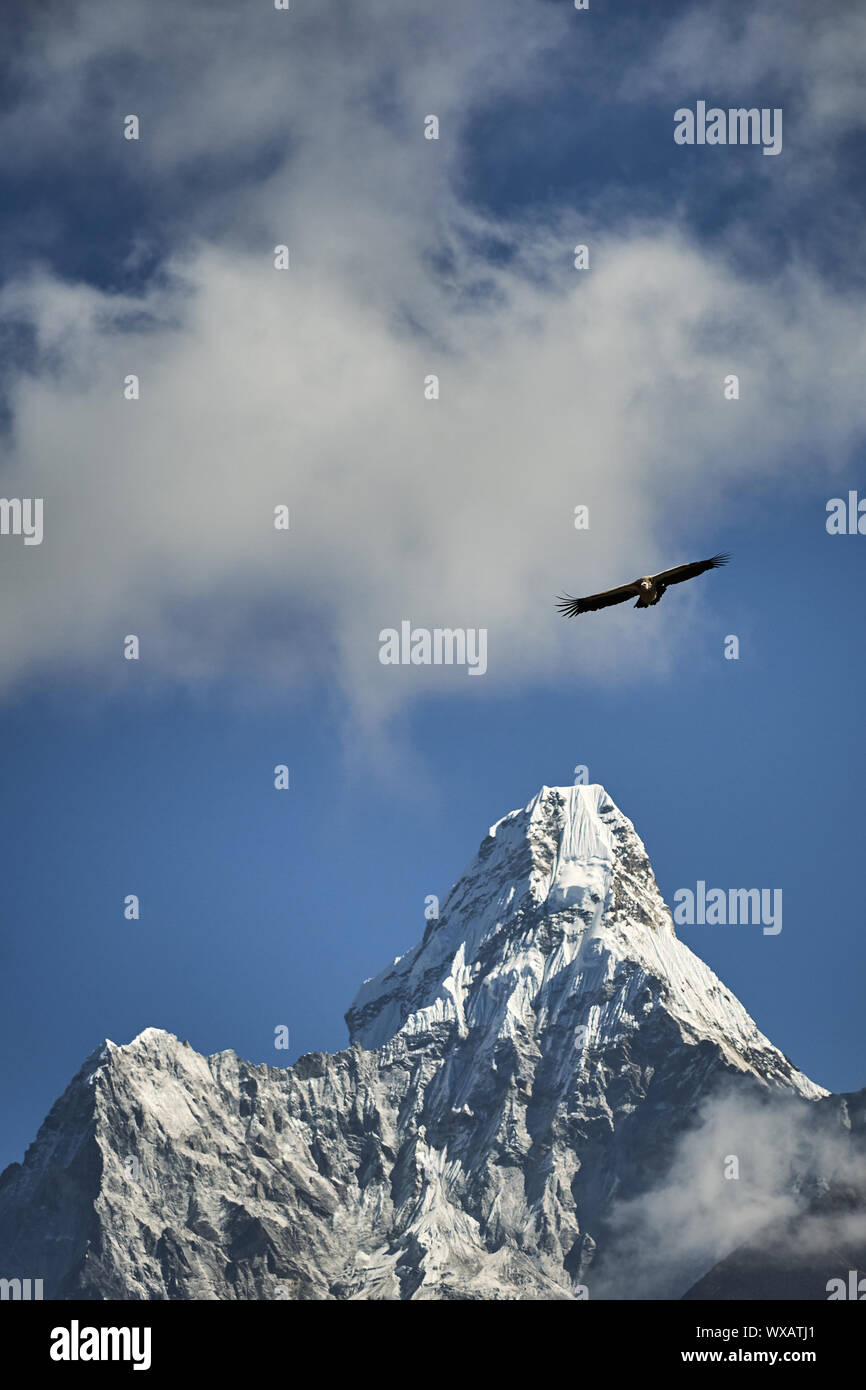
<point>559,923</point>
<point>532,1063</point>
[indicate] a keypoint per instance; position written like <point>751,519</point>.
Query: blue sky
<point>262,907</point>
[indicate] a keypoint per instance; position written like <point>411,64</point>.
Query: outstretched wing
<point>681,572</point>
<point>570,607</point>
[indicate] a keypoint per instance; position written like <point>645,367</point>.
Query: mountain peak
<point>559,922</point>
<point>589,832</point>
<point>534,896</point>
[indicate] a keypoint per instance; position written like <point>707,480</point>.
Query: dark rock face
<point>533,1062</point>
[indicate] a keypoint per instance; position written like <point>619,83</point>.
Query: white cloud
<point>305,387</point>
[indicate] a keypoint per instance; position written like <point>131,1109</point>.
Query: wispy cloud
<point>786,1153</point>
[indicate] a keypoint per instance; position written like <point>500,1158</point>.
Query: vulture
<point>647,590</point>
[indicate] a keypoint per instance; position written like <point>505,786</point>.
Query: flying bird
<point>647,590</point>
